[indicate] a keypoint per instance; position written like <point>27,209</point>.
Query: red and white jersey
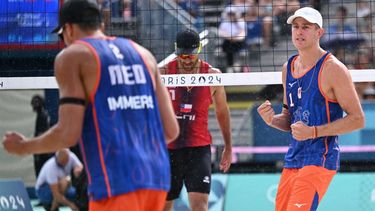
<point>191,108</point>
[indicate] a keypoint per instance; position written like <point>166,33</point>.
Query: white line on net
<point>176,80</point>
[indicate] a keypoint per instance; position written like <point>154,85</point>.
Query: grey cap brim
<point>180,51</point>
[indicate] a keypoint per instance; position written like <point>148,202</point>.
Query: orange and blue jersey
<point>307,103</point>
<point>122,144</point>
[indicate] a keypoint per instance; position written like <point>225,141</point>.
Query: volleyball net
<point>256,60</point>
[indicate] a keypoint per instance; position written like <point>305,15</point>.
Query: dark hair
<point>92,25</point>
<point>343,10</point>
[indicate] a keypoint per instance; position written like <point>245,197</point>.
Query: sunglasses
<point>60,34</point>
<point>188,56</point>
<point>61,37</point>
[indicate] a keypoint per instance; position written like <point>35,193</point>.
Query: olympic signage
<point>176,80</point>
<point>13,196</point>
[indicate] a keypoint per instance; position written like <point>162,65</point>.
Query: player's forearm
<point>170,125</point>
<point>281,122</point>
<point>223,118</point>
<point>347,124</point>
<point>54,139</point>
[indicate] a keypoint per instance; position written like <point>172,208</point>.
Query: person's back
<point>121,125</point>
<point>113,101</point>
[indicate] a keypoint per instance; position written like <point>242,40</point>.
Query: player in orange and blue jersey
<point>317,89</point>
<point>112,102</point>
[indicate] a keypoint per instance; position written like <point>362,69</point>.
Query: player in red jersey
<point>190,153</point>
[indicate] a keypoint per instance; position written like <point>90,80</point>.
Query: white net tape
<point>224,79</point>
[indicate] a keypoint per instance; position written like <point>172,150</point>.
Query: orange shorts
<point>302,189</point>
<point>140,200</point>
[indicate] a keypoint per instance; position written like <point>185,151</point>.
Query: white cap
<point>309,14</point>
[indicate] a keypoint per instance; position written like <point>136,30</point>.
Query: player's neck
<point>309,58</point>
<point>92,34</point>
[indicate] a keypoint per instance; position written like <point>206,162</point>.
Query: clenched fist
<point>302,132</point>
<point>12,143</point>
<point>266,112</point>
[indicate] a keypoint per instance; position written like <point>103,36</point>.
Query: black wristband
<point>285,106</point>
<point>72,100</point>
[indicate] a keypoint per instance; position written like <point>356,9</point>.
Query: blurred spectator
<point>127,12</point>
<point>341,34</point>
<point>115,8</point>
<point>364,16</point>
<point>42,123</point>
<point>341,25</point>
<point>242,5</point>
<point>282,10</point>
<point>233,30</point>
<point>275,13</point>
<point>310,3</point>
<point>254,28</point>
<point>105,8</point>
<point>193,7</point>
<point>364,60</point>
<point>53,184</point>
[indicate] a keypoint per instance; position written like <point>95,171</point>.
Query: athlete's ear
<point>321,32</point>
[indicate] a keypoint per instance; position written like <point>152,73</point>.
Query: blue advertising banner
<point>13,196</point>
<point>28,21</point>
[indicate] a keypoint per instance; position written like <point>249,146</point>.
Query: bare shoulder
<point>73,55</point>
<point>335,66</point>
<point>283,72</point>
<point>285,65</point>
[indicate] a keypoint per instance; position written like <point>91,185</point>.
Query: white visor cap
<point>310,14</point>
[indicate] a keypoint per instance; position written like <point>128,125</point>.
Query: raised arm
<point>279,121</point>
<point>68,67</point>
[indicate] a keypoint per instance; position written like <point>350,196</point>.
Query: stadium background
<point>253,178</point>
